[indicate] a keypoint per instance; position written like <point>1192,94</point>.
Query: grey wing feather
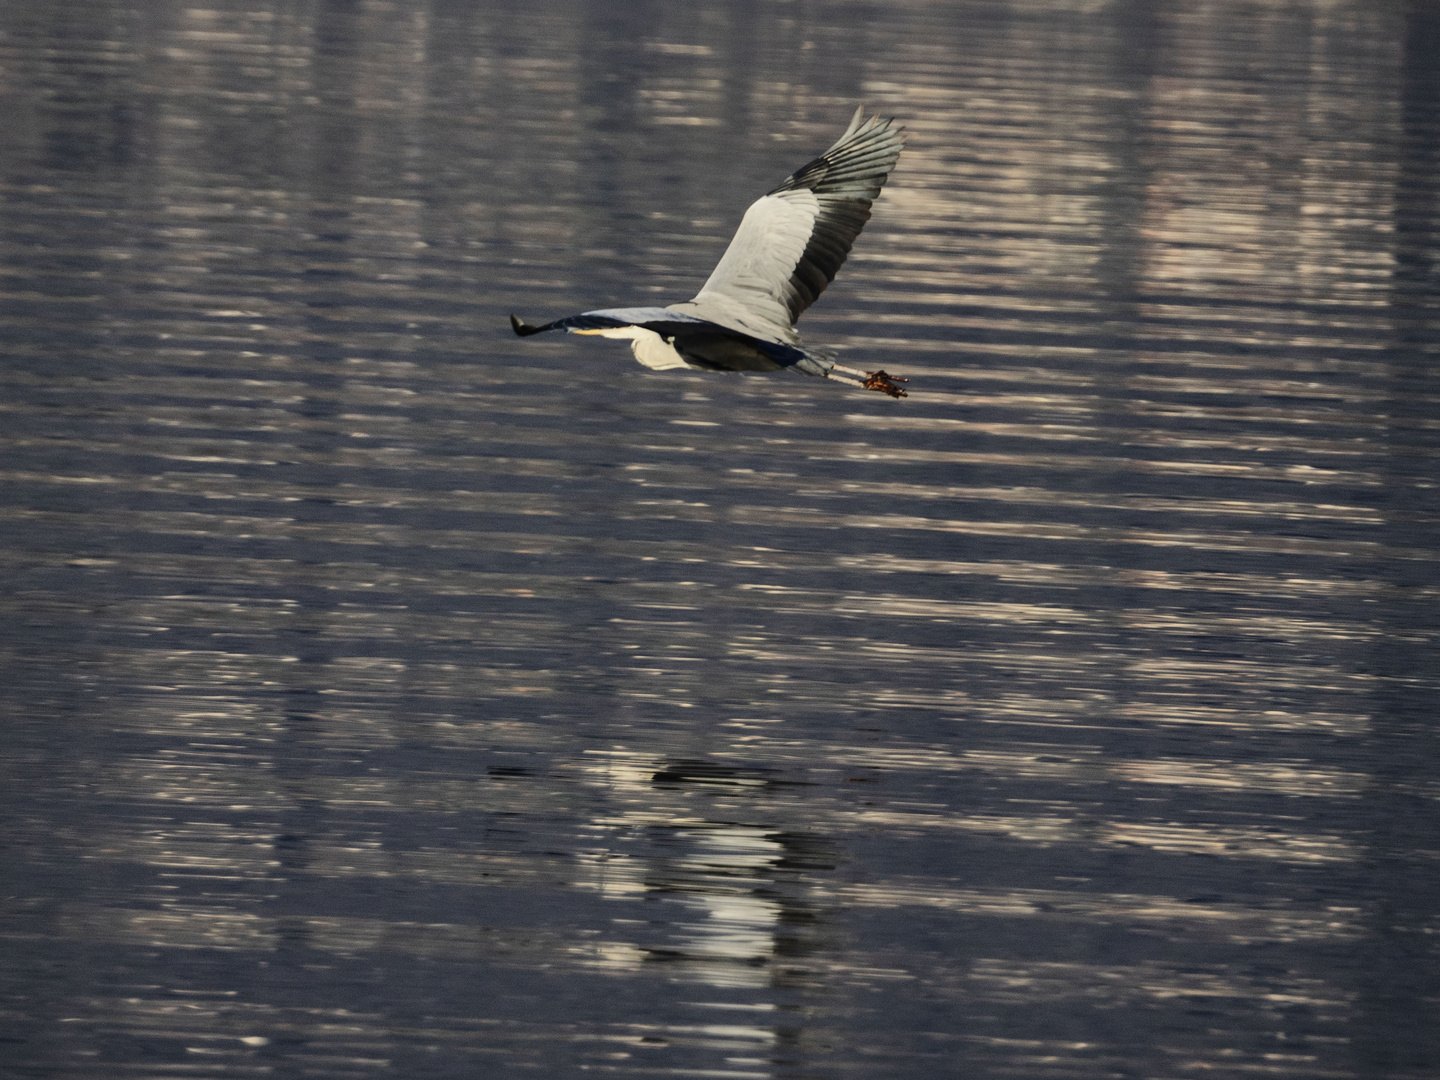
<point>845,179</point>
<point>794,240</point>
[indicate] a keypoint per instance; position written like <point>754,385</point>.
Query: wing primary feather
<point>855,122</point>
<point>789,248</point>
<point>846,179</point>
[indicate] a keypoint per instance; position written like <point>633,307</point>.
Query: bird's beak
<point>524,329</point>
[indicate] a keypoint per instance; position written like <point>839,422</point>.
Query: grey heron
<point>789,246</point>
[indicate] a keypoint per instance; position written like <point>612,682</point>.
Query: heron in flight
<point>789,246</point>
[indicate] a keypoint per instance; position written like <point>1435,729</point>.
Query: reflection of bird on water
<point>788,248</point>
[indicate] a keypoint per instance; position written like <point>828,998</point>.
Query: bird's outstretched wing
<point>794,240</point>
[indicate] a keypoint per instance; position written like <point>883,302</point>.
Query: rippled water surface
<point>386,696</point>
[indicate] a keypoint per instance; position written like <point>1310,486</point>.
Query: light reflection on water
<point>387,696</point>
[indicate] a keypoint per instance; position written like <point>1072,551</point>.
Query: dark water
<point>385,696</point>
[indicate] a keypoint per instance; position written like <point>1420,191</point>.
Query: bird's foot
<point>879,380</point>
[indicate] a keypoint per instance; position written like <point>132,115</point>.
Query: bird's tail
<point>817,360</point>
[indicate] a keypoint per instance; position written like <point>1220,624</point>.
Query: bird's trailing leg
<point>879,380</point>
<point>872,380</point>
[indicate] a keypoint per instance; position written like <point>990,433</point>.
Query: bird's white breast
<point>649,347</point>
